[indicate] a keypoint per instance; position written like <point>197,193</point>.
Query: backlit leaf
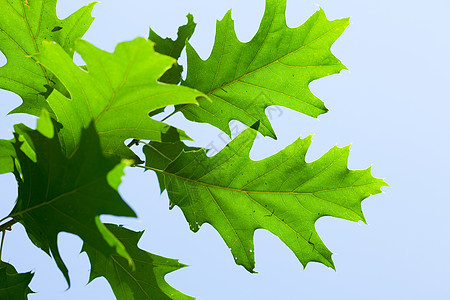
<point>173,48</point>
<point>146,281</point>
<point>60,194</point>
<point>282,194</point>
<point>160,155</point>
<point>7,153</point>
<point>117,93</point>
<point>274,68</point>
<point>24,25</point>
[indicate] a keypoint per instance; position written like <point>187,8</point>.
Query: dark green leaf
<point>160,155</point>
<point>13,285</point>
<point>173,49</point>
<point>146,281</point>
<point>60,194</point>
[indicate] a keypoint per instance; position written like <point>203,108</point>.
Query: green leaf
<point>60,194</point>
<point>160,155</point>
<point>24,25</point>
<point>7,154</point>
<point>117,93</point>
<point>146,282</point>
<point>173,49</point>
<point>274,68</point>
<point>282,194</point>
<point>44,125</point>
<point>13,285</point>
<point>7,151</point>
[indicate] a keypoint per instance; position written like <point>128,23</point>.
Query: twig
<point>1,244</point>
<point>7,225</point>
<point>133,142</point>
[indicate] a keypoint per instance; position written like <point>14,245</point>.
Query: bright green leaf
<point>118,92</point>
<point>60,194</point>
<point>282,194</point>
<point>24,25</point>
<point>45,125</point>
<point>146,281</point>
<point>160,155</point>
<point>173,48</point>
<point>274,68</point>
<point>7,153</point>
<point>13,285</point>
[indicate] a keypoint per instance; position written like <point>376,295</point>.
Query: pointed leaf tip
<point>146,281</point>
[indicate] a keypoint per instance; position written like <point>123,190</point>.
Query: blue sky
<point>392,106</point>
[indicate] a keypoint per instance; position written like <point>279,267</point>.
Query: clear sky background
<point>392,106</point>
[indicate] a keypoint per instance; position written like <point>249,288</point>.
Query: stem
<point>3,240</point>
<point>174,112</point>
<point>153,169</point>
<point>7,225</point>
<point>133,142</point>
<point>171,114</point>
<point>4,219</point>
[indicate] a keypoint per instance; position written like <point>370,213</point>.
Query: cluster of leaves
<point>69,168</point>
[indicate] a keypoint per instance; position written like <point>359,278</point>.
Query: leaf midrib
<point>34,38</point>
<point>277,60</point>
<point>248,191</point>
<point>267,65</point>
<point>61,196</point>
<point>131,275</point>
